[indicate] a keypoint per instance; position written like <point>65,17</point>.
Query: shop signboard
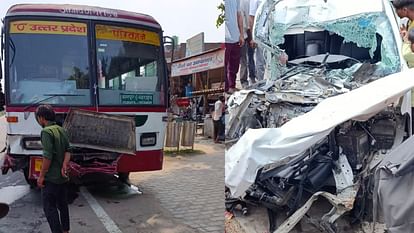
<point>203,62</point>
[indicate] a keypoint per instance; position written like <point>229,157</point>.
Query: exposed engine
<point>287,187</point>
<point>304,84</point>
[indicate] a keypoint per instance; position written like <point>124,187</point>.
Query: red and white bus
<point>91,58</point>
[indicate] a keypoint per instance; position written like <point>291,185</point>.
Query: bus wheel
<point>31,182</point>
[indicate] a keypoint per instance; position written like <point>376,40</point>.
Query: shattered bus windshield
<point>48,62</point>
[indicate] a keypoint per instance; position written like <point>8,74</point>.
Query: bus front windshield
<point>48,58</point>
<point>129,66</point>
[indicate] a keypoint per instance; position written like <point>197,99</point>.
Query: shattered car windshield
<point>307,30</point>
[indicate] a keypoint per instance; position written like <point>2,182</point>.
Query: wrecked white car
<point>320,124</point>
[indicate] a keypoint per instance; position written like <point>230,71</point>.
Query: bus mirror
<point>172,42</point>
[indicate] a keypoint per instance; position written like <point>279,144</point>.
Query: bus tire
<point>31,182</point>
<point>124,178</point>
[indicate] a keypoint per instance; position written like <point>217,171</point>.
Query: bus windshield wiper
<point>49,96</point>
<point>13,48</point>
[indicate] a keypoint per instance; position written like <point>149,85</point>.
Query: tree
<point>220,18</point>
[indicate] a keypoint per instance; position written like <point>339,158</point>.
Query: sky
<point>183,18</point>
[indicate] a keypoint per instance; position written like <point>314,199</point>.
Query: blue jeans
<point>247,65</point>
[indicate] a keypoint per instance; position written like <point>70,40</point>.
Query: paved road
<point>186,197</point>
<point>191,188</point>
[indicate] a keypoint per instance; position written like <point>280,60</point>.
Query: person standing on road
<point>217,118</point>
<point>246,52</point>
<point>53,175</point>
<point>260,62</point>
<point>234,40</point>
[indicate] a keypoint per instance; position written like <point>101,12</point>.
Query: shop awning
<point>209,60</point>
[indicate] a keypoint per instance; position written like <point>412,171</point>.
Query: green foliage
<point>220,18</point>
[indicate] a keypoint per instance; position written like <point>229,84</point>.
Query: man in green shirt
<point>53,175</point>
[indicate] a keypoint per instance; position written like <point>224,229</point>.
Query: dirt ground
<point>257,222</point>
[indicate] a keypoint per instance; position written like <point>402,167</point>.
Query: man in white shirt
<point>260,62</point>
<point>217,115</point>
<point>233,41</point>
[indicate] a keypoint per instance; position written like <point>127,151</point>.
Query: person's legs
<point>221,128</point>
<point>260,64</point>
<point>243,66</point>
<point>62,205</point>
<point>50,207</point>
<point>233,65</point>
<point>215,129</point>
<point>227,53</point>
<point>252,69</point>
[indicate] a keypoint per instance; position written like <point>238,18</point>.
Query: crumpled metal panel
<point>94,130</point>
<point>393,181</point>
<point>259,147</point>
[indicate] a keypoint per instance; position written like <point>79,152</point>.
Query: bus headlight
<point>148,139</point>
<point>32,144</point>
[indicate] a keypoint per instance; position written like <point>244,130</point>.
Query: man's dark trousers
<point>231,64</point>
<point>55,197</point>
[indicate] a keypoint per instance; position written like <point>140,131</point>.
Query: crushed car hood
<point>277,146</point>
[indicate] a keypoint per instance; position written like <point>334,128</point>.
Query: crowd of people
<point>241,50</point>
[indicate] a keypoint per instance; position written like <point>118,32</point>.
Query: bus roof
<point>82,12</point>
